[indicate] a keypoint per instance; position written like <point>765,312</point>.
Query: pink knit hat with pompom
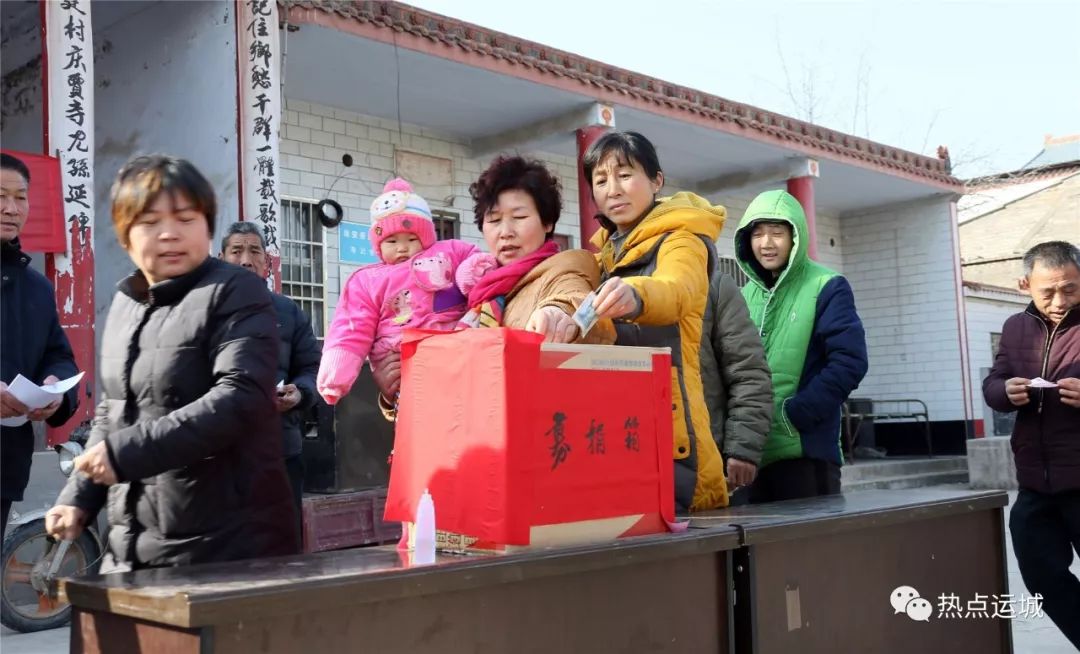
<point>398,210</point>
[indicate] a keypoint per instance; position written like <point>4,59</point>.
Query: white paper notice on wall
<point>1039,382</point>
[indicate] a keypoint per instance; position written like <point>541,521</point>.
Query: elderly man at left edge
<point>31,341</point>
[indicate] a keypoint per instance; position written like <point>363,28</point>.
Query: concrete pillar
<point>803,190</point>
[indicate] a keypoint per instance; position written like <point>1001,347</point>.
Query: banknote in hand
<point>585,316</point>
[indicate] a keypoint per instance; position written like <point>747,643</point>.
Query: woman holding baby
<point>523,280</point>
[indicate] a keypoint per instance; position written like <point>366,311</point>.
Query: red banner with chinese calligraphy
<point>510,434</point>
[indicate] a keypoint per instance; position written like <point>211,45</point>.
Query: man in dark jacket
<point>1037,374</point>
<point>298,356</point>
<point>33,344</point>
<point>736,381</point>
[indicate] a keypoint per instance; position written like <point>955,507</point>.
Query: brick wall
<point>900,263</point>
<point>314,138</point>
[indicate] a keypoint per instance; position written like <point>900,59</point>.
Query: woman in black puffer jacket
<point>186,446</point>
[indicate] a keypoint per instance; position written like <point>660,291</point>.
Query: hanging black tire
<point>22,607</point>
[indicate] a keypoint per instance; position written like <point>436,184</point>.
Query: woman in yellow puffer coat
<point>655,256</point>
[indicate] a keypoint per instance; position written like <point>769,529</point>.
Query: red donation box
<point>523,443</point>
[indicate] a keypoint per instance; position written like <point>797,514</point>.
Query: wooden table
<point>657,594</point>
<point>816,575</point>
<point>808,576</point>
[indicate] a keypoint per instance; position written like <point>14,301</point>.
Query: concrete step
<point>918,480</point>
<point>869,470</point>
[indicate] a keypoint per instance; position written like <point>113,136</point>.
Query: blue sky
<point>987,79</point>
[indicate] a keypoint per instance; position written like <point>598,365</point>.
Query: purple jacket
<point>1046,438</point>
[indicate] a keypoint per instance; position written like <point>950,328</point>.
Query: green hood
<point>773,206</point>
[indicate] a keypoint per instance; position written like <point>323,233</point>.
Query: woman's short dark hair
<point>517,174</point>
<point>143,179</point>
<point>11,162</point>
<point>626,147</point>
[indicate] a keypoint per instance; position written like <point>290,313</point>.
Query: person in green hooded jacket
<point>814,343</point>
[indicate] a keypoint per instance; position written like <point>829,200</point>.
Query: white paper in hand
<point>36,397</point>
<point>585,316</point>
<point>56,389</point>
<point>1039,382</point>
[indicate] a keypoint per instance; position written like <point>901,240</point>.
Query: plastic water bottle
<point>424,543</point>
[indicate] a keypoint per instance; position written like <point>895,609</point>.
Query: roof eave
<point>413,28</point>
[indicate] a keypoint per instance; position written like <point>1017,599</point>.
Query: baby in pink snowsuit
<point>412,287</point>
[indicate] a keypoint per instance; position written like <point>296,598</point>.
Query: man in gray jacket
<point>736,381</point>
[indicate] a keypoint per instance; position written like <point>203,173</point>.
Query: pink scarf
<point>503,279</point>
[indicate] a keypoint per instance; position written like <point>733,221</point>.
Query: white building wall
<point>830,241</point>
<point>138,66</point>
<point>315,137</point>
<point>139,111</point>
<point>20,111</point>
<point>986,314</point>
<point>900,261</point>
<point>21,105</point>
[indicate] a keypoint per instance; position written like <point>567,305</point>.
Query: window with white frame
<point>446,224</point>
<point>302,260</point>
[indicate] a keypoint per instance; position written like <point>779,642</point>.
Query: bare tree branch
<point>862,86</point>
<point>860,80</point>
<point>811,96</point>
<point>973,159</point>
<point>805,93</point>
<point>788,86</point>
<point>929,128</point>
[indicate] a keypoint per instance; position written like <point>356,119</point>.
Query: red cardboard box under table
<point>523,443</point>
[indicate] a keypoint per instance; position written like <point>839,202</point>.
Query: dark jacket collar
<point>167,292</point>
<point>1072,317</point>
<point>11,252</point>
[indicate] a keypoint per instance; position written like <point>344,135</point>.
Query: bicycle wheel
<point>24,607</point>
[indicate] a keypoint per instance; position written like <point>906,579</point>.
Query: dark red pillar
<point>586,136</point>
<point>803,190</point>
